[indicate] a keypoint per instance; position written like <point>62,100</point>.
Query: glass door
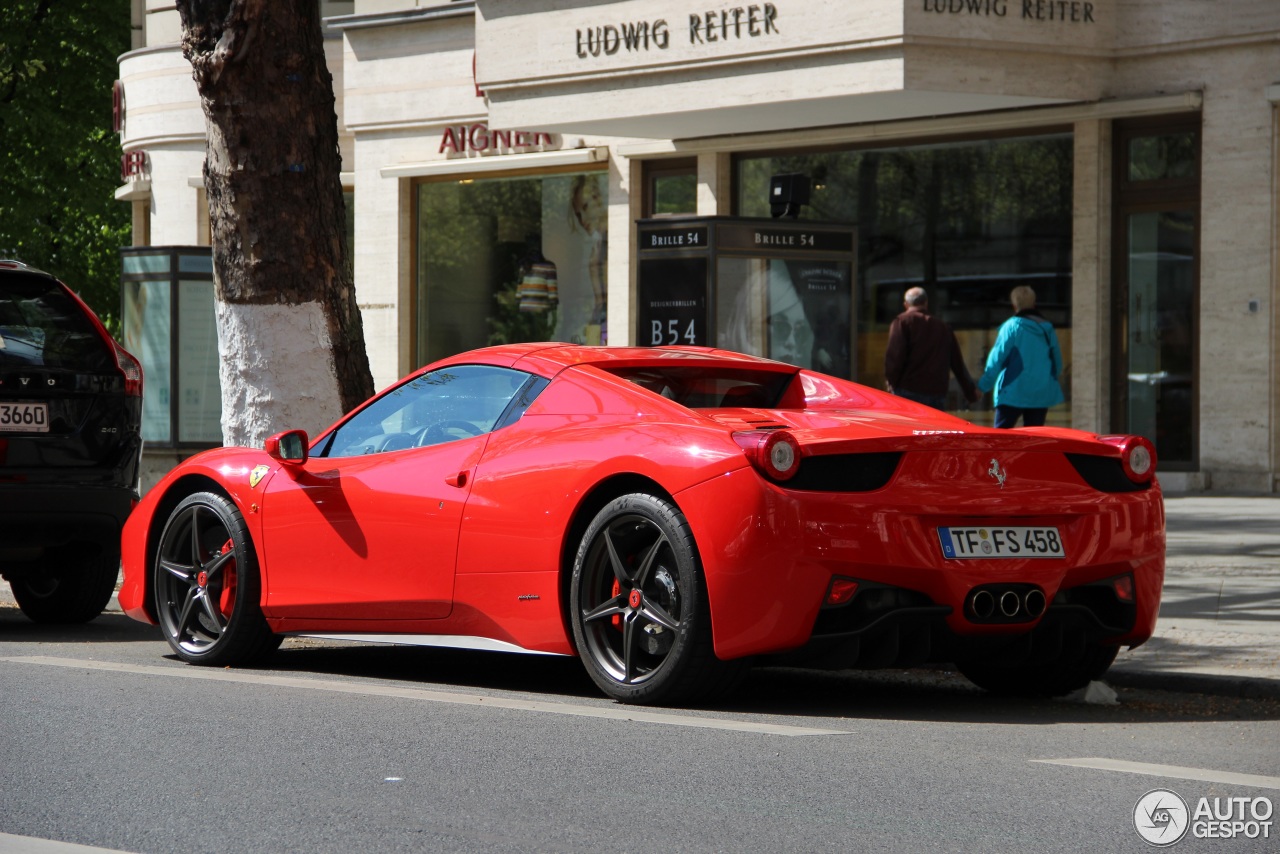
<point>1159,352</point>
<point>1156,303</point>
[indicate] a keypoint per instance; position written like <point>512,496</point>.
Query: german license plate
<point>24,418</point>
<point>1000,542</point>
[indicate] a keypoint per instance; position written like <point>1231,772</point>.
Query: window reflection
<point>509,260</point>
<point>968,221</point>
<point>1163,156</point>
<point>1159,339</point>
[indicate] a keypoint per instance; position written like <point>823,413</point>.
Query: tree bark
<point>290,334</point>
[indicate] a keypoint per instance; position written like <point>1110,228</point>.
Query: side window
<point>452,403</point>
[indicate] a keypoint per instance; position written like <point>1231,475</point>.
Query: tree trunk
<point>290,337</point>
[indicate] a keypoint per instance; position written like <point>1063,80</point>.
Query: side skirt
<point>451,641</point>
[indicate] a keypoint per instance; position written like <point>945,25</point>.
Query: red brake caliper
<point>616,619</point>
<point>228,598</point>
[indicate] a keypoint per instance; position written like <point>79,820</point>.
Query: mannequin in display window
<point>582,283</point>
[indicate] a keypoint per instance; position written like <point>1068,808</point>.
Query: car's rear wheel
<point>639,607</point>
<point>207,585</point>
<point>1072,669</point>
<point>68,592</point>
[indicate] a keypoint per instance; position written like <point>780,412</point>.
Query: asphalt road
<point>107,741</point>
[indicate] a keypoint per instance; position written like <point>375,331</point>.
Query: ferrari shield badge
<point>257,474</point>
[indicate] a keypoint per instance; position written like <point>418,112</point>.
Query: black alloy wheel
<point>641,620</point>
<point>207,585</point>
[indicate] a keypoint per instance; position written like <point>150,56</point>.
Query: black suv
<point>70,448</point>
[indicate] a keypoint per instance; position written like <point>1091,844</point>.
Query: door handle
<point>458,480</point>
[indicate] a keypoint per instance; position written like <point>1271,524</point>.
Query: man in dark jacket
<point>922,352</point>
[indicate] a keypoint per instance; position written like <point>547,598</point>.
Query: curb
<point>1220,685</point>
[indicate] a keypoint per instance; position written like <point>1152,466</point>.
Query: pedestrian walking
<point>1024,365</point>
<point>921,353</point>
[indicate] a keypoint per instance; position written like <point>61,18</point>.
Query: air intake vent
<point>1105,474</point>
<point>845,472</point>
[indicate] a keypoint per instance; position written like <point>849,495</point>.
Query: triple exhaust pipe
<point>1005,604</point>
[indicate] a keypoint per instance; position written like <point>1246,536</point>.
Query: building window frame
<point>657,172</point>
<point>1175,195</point>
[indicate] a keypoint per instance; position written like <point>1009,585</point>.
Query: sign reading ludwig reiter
<point>761,19</point>
<point>739,22</point>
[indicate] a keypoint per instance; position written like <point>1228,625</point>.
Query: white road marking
<point>1204,775</point>
<point>610,712</point>
<point>10,844</point>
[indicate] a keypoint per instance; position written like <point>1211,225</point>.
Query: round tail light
<point>1139,460</point>
<point>1137,456</point>
<point>776,453</point>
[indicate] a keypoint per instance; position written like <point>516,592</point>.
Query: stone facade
<point>780,76</point>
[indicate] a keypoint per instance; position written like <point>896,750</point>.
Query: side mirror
<point>289,447</point>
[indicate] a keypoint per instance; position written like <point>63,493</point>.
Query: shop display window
<point>509,260</point>
<point>967,220</point>
<point>167,321</point>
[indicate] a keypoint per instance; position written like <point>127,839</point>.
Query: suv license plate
<point>24,418</point>
<point>1000,542</point>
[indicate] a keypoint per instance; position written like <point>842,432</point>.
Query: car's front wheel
<point>639,607</point>
<point>207,585</point>
<point>1070,670</point>
<point>67,591</point>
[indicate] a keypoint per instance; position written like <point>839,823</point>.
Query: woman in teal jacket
<point>1024,365</point>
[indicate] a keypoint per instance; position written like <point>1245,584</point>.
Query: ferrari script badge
<point>257,474</point>
<point>998,473</point>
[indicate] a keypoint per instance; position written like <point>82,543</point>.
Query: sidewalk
<point>1219,626</point>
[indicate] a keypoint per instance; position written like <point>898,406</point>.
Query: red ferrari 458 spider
<point>667,515</point>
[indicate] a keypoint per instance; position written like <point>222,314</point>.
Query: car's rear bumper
<point>34,517</point>
<point>770,561</point>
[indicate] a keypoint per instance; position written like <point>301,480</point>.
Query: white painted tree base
<point>277,371</point>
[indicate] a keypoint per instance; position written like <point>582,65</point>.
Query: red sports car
<point>667,515</point>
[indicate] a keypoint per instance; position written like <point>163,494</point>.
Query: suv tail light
<point>776,453</point>
<point>1137,456</point>
<point>131,368</point>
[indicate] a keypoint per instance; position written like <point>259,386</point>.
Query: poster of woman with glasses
<point>793,311</point>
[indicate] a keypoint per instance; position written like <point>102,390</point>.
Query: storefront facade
<point>1119,157</point>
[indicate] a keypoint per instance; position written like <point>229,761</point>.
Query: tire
<point>639,610</point>
<point>1071,670</point>
<point>74,594</point>
<point>207,585</point>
